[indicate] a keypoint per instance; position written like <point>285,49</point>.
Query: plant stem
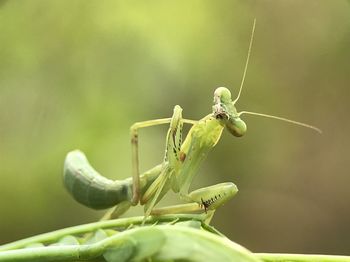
<point>161,242</point>
<point>269,257</point>
<point>120,223</point>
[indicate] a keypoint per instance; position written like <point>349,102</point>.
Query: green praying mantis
<point>181,162</point>
<point>177,236</point>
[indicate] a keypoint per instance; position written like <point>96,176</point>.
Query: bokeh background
<point>77,74</point>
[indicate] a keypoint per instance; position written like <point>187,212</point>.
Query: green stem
<point>268,257</point>
<point>121,223</point>
<point>163,243</point>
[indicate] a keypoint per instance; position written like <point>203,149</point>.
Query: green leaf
<point>66,241</point>
<point>97,236</point>
<point>121,252</point>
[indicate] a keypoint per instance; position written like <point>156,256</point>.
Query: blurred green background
<point>77,74</point>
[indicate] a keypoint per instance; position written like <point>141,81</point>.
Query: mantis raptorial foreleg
<point>135,155</point>
<point>172,154</point>
<point>207,198</point>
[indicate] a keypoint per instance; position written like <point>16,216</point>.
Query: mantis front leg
<point>201,200</point>
<point>206,199</point>
<point>174,136</point>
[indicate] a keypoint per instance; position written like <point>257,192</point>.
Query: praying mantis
<point>181,162</point>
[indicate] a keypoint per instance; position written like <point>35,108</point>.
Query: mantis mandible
<point>180,164</point>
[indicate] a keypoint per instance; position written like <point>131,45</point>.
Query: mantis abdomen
<point>91,189</point>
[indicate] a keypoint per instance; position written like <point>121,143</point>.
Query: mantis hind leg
<point>116,211</point>
<point>146,179</point>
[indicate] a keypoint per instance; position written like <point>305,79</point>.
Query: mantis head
<point>224,108</point>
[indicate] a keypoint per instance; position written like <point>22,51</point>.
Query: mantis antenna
<point>246,63</point>
<point>282,119</point>
<point>261,114</point>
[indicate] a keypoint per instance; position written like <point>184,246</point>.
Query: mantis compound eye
<point>236,127</point>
